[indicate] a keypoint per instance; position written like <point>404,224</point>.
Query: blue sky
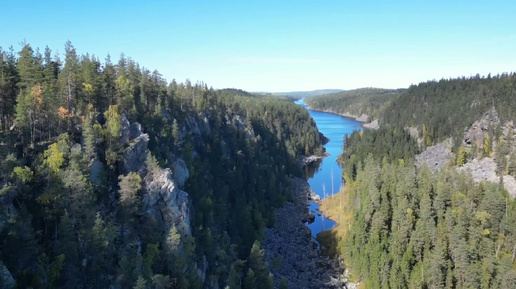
<point>279,45</point>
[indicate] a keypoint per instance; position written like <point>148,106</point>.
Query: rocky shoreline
<point>290,251</point>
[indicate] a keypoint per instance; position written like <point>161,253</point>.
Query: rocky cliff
<point>162,199</point>
<point>480,168</point>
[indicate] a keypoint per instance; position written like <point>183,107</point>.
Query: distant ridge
<point>301,94</point>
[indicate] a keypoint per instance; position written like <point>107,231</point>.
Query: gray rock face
<point>372,125</point>
<point>476,133</point>
<point>510,184</point>
<point>241,124</point>
<point>135,130</point>
<point>305,160</point>
<point>485,170</point>
<point>181,173</point>
<point>136,154</point>
<point>193,126</point>
<point>481,170</point>
<point>437,156</point>
<point>6,279</point>
<point>126,131</point>
<point>414,133</point>
<point>290,251</point>
<point>164,200</point>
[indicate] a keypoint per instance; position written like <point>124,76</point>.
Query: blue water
<point>334,127</point>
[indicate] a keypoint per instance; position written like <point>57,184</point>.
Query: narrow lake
<point>334,127</point>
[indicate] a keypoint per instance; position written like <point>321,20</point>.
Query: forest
<point>90,147</point>
<point>448,106</point>
<point>368,101</point>
<point>402,225</point>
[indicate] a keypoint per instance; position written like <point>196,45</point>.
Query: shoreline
<point>370,125</point>
<point>291,252</point>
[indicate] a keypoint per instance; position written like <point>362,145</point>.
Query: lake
<point>334,127</point>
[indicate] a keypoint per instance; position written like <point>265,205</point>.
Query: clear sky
<point>279,45</point>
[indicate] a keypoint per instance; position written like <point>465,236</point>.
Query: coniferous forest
<point>368,101</point>
<point>96,153</point>
<point>113,177</point>
<point>403,225</point>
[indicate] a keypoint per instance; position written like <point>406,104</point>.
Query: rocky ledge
<point>290,251</point>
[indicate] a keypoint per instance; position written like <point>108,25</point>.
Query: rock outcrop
<point>291,252</point>
<point>164,200</point>
<point>136,153</point>
<point>484,169</point>
<point>476,133</point>
<point>305,160</point>
<point>437,156</point>
<point>181,172</point>
<point>372,125</point>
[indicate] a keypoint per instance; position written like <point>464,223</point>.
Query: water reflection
<point>312,168</point>
<point>325,175</point>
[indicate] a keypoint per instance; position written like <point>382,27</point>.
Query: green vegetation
<point>295,95</point>
<point>403,227</point>
<point>447,107</point>
<point>73,216</point>
<point>406,227</point>
<point>369,101</point>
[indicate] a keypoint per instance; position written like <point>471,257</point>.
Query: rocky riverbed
<point>290,251</point>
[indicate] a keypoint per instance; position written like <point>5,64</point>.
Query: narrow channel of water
<point>328,176</point>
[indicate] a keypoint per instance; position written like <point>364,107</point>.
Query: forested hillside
<point>449,106</point>
<point>405,226</point>
<point>368,101</point>
<point>295,95</point>
<point>112,176</point>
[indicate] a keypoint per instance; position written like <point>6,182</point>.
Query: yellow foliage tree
<point>54,158</point>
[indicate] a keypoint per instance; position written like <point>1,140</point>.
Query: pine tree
<point>141,283</point>
<point>129,187</point>
<point>175,132</point>
<point>250,281</point>
<point>487,145</point>
<point>257,265</point>
<point>67,246</point>
<point>89,139</point>
<point>9,90</point>
<point>112,133</point>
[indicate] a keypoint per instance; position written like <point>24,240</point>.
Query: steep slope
<point>113,177</point>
